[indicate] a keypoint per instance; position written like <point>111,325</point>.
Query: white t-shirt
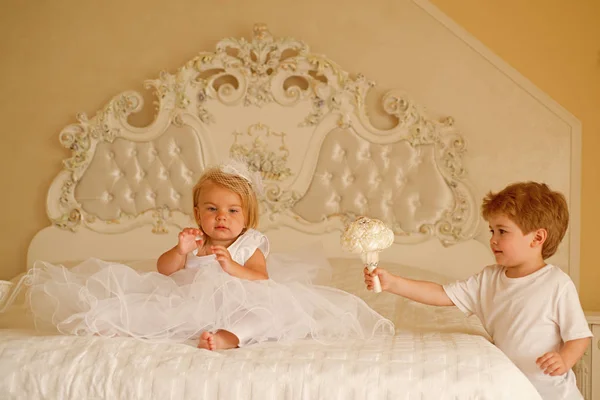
<point>526,318</point>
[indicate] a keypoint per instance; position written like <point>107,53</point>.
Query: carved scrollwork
<point>277,201</point>
<point>263,74</point>
<point>246,68</point>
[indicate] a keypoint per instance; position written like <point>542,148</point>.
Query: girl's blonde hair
<point>531,206</point>
<point>236,184</point>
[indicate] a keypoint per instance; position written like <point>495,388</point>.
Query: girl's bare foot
<point>206,341</point>
<point>220,340</point>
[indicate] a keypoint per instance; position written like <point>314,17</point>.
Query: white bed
<point>125,192</point>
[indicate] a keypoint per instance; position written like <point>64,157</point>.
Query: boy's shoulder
<point>557,275</point>
<point>491,270</point>
<point>549,273</point>
<point>557,271</point>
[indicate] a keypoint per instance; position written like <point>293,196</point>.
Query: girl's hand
<point>552,364</point>
<point>223,257</point>
<point>190,239</point>
<point>385,278</point>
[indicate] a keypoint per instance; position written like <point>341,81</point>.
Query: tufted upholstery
<point>382,181</point>
<point>128,178</point>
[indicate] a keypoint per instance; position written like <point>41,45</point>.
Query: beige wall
<point>556,45</point>
<point>56,60</point>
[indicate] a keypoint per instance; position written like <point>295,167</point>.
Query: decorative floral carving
<point>161,216</point>
<point>202,112</point>
<point>271,165</point>
<point>70,221</point>
<point>316,115</point>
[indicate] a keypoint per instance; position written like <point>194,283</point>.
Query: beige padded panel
<point>127,178</point>
<point>397,183</point>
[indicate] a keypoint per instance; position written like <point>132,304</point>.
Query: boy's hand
<point>552,364</point>
<point>188,240</point>
<point>384,278</point>
<point>223,257</point>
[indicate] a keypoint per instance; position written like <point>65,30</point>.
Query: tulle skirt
<point>111,299</point>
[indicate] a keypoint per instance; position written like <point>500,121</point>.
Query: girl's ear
<point>197,215</point>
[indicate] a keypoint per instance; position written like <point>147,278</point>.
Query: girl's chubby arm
<point>173,260</point>
<point>425,292</point>
<point>254,269</point>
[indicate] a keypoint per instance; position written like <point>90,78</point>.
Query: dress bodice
<point>241,250</point>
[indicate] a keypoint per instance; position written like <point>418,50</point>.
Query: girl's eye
<point>234,211</point>
<point>211,209</point>
<point>502,231</point>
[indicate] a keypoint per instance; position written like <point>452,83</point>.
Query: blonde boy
<point>530,308</point>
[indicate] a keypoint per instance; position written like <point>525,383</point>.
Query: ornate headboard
<point>299,119</point>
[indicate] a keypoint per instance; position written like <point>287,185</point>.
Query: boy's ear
<point>539,237</point>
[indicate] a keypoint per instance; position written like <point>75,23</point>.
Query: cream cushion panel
<point>129,178</point>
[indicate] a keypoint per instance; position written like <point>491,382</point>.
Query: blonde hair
<point>236,184</point>
<point>531,206</point>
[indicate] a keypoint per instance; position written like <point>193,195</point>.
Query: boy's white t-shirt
<point>526,318</point>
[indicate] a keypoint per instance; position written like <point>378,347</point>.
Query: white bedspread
<point>411,365</point>
<point>436,354</point>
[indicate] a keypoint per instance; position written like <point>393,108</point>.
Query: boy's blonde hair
<point>236,184</point>
<point>531,206</point>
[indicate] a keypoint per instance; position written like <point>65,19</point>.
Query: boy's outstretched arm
<point>430,293</point>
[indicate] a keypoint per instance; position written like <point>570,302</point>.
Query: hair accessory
<point>239,167</point>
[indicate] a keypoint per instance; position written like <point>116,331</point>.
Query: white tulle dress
<point>110,299</point>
